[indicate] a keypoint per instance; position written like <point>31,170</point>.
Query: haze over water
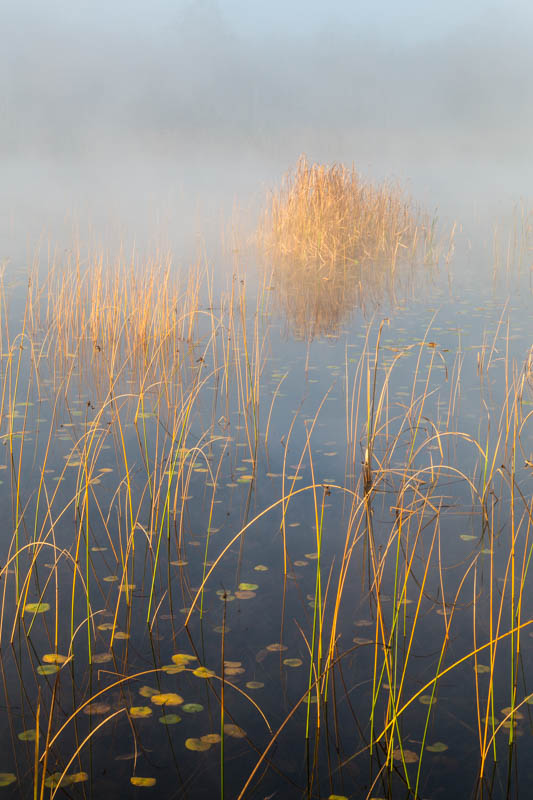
<point>148,123</point>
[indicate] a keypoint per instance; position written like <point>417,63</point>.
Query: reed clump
<point>327,216</point>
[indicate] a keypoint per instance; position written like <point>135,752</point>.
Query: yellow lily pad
<point>181,659</point>
<point>248,587</point>
<point>197,744</point>
<point>7,778</point>
<point>36,608</point>
<point>47,669</point>
<point>140,712</point>
<point>28,736</point>
<point>167,699</point>
<point>54,658</point>
<point>135,780</point>
<point>293,662</point>
<point>203,672</point>
<point>211,738</point>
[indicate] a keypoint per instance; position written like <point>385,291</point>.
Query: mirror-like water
<point>261,546</point>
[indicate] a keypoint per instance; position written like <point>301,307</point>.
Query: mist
<point>140,116</point>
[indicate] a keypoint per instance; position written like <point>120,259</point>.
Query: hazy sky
<point>414,89</point>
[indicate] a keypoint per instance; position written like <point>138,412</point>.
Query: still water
<point>265,539</point>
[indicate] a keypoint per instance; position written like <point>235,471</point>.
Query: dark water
<point>430,562</point>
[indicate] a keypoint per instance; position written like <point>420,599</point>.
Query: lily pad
<point>203,672</point>
<point>147,691</point>
<point>438,747</point>
<point>28,736</point>
<point>54,658</point>
<point>211,738</point>
<point>276,647</point>
<point>36,608</point>
<point>167,699</point>
<point>137,781</point>
<point>427,700</point>
<point>140,712</point>
<point>97,708</point>
<point>293,662</point>
<point>183,658</point>
<point>7,778</point>
<point>409,756</point>
<point>261,568</point>
<point>169,719</point>
<point>254,685</point>
<point>47,669</point>
<point>234,731</point>
<point>197,744</point>
<point>192,708</point>
<point>248,587</point>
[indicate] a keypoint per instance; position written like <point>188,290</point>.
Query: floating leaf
<point>197,744</point>
<point>105,626</point>
<point>101,658</point>
<point>147,691</point>
<point>409,756</point>
<point>28,736</point>
<point>140,712</point>
<point>427,700</point>
<point>169,719</point>
<point>259,685</point>
<point>183,658</point>
<point>121,635</point>
<point>232,664</point>
<point>234,731</point>
<point>55,779</point>
<point>438,747</point>
<point>301,563</point>
<point>203,672</point>
<point>97,708</point>
<point>276,647</point>
<point>167,699</point>
<point>137,781</point>
<point>248,587</point>
<point>311,556</point>
<point>467,537</point>
<point>337,797</point>
<point>111,578</point>
<point>173,669</point>
<point>245,594</point>
<point>47,669</point>
<point>261,568</point>
<point>192,708</point>
<point>6,778</point>
<point>293,662</point>
<point>211,738</point>
<point>54,658</point>
<point>361,640</point>
<point>481,668</point>
<point>36,608</point>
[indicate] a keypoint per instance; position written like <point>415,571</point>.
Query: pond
<point>268,535</point>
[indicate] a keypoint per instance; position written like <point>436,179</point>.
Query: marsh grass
<point>159,388</point>
<point>334,242</point>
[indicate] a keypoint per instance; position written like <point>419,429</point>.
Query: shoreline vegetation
<point>169,513</point>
